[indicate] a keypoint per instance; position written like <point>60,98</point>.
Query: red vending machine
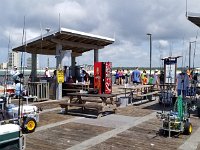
<point>103,77</point>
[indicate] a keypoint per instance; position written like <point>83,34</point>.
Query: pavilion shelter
<point>63,41</point>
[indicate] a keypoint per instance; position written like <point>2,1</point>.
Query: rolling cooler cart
<point>177,120</point>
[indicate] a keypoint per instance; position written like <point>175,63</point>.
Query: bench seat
<point>71,90</point>
<point>148,94</point>
<point>83,106</point>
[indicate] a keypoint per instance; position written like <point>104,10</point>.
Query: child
<point>150,79</point>
<point>145,80</point>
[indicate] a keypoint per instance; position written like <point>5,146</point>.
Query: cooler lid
<point>9,128</point>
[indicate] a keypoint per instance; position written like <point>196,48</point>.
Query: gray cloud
<point>127,21</point>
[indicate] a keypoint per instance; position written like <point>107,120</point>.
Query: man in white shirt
<point>14,73</point>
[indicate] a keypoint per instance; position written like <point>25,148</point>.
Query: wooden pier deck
<point>132,127</point>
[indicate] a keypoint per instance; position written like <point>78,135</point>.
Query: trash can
<point>124,101</point>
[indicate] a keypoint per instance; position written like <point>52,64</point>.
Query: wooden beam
<point>41,51</point>
<point>77,44</point>
<point>74,54</point>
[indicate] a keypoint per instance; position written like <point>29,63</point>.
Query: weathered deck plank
<point>63,136</point>
<point>143,136</point>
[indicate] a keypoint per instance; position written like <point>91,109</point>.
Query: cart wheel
<point>29,125</point>
<point>187,128</point>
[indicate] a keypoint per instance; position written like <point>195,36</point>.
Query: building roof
<point>171,57</point>
<point>78,42</point>
<point>194,18</point>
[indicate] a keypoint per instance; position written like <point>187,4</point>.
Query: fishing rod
<point>195,48</point>
<point>182,53</point>
<point>6,73</point>
<point>41,44</point>
<point>20,91</point>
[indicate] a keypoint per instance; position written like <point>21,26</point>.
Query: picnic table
<point>140,91</point>
<point>79,85</point>
<point>100,102</point>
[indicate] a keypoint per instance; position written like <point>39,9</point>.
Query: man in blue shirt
<point>136,76</point>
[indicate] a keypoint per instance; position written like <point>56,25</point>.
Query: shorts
<point>183,92</point>
<point>136,82</point>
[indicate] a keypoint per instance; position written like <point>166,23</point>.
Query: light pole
<point>149,34</point>
<point>190,53</point>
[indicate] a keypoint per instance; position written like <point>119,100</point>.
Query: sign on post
<point>60,76</point>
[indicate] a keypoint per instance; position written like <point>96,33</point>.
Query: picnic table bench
<point>71,90</point>
<point>138,91</point>
<point>148,94</point>
<point>99,102</point>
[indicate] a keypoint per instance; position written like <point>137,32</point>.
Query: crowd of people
<point>182,81</point>
<point>137,77</point>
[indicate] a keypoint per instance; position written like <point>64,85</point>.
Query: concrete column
<point>34,67</point>
<point>58,66</point>
<point>58,55</point>
<point>96,55</point>
<point>73,64</point>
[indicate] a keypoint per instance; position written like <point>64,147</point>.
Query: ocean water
<point>6,77</point>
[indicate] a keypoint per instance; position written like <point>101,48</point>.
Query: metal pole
<point>189,54</point>
<point>150,52</point>
<point>190,45</point>
<point>150,49</point>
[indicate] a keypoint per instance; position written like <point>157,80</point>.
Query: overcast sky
<point>127,21</point>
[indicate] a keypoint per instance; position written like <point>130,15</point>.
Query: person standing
<point>145,80</point>
<point>142,75</point>
<point>47,73</point>
<point>150,79</point>
<point>155,79</point>
<point>120,77</point>
<point>117,77</point>
<point>136,76</point>
<point>182,83</point>
<point>123,76</point>
<point>128,74</point>
<point>82,74</point>
<point>14,73</point>
<point>162,77</point>
<point>18,88</point>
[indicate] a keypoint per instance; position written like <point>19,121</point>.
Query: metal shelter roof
<point>194,18</point>
<point>78,42</point>
<point>171,57</point>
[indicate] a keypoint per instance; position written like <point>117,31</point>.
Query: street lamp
<point>149,34</point>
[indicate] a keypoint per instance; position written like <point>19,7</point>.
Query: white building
<point>29,63</point>
<point>13,59</point>
<point>4,65</point>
